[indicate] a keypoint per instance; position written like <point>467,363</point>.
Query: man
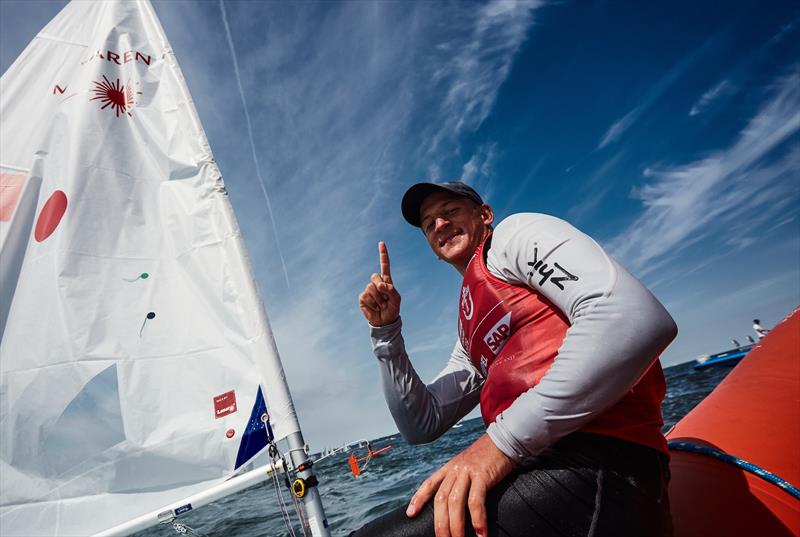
<point>760,330</point>
<point>559,345</point>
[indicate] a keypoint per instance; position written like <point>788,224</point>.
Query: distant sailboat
<point>139,377</point>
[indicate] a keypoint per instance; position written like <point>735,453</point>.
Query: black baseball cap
<point>414,196</point>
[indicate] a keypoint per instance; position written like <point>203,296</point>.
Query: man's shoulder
<point>515,232</point>
<point>520,222</point>
<point>518,219</point>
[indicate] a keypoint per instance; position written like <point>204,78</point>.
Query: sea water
<point>391,478</point>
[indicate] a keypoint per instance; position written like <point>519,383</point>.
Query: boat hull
<point>753,415</point>
<point>728,358</point>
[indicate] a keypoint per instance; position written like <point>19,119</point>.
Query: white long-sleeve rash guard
<point>617,330</point>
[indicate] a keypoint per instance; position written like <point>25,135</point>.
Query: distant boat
<point>353,461</point>
<point>728,358</point>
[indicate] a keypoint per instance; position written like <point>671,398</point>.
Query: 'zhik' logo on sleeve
<point>498,335</point>
<point>543,270</point>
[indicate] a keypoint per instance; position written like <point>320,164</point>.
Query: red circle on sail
<point>50,216</point>
<point>229,433</point>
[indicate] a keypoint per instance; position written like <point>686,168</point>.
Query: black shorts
<point>584,485</point>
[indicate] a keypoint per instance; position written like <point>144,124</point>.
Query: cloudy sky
<point>668,132</point>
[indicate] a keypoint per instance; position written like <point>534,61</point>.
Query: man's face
<point>454,226</point>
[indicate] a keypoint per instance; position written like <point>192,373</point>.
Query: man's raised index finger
<point>383,253</point>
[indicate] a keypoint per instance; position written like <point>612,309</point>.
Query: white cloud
<point>595,187</point>
<point>480,164</point>
<point>478,172</point>
<point>709,97</point>
<point>619,127</point>
<point>475,61</point>
<point>785,29</point>
<point>789,219</point>
<point>729,193</point>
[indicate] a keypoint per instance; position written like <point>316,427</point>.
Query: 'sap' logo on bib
<point>498,335</point>
<point>466,303</point>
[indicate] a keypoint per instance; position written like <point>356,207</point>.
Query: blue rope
<point>741,463</point>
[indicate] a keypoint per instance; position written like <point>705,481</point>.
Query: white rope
<point>300,510</point>
<point>281,504</point>
<point>275,455</point>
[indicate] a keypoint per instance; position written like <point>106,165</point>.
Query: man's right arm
<point>423,412</point>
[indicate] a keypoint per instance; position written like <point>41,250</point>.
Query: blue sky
<point>668,132</point>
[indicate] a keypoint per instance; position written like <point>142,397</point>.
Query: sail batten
<point>137,360</point>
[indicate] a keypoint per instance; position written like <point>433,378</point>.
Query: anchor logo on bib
<point>466,303</point>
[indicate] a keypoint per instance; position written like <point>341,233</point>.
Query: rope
<point>298,506</point>
<point>369,459</point>
<point>276,486</point>
<point>736,461</point>
<point>275,455</point>
<point>300,510</point>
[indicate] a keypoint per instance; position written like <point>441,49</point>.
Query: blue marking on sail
<point>257,434</point>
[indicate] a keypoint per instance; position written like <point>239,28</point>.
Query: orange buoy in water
<point>749,425</point>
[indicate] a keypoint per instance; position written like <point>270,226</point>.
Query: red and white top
<point>592,334</point>
<point>512,334</point>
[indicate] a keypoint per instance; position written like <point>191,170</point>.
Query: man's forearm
<point>421,412</point>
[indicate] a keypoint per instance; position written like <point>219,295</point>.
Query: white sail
<point>136,358</point>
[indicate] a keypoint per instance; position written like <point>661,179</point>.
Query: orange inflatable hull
<point>754,414</point>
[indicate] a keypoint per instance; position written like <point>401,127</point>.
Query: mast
<point>317,521</point>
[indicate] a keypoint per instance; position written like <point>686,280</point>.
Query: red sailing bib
<point>512,335</point>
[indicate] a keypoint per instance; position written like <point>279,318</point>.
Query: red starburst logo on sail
<point>120,98</point>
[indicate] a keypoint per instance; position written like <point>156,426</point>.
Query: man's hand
<point>380,301</point>
<point>463,482</point>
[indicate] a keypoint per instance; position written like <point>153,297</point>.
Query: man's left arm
<point>617,329</point>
